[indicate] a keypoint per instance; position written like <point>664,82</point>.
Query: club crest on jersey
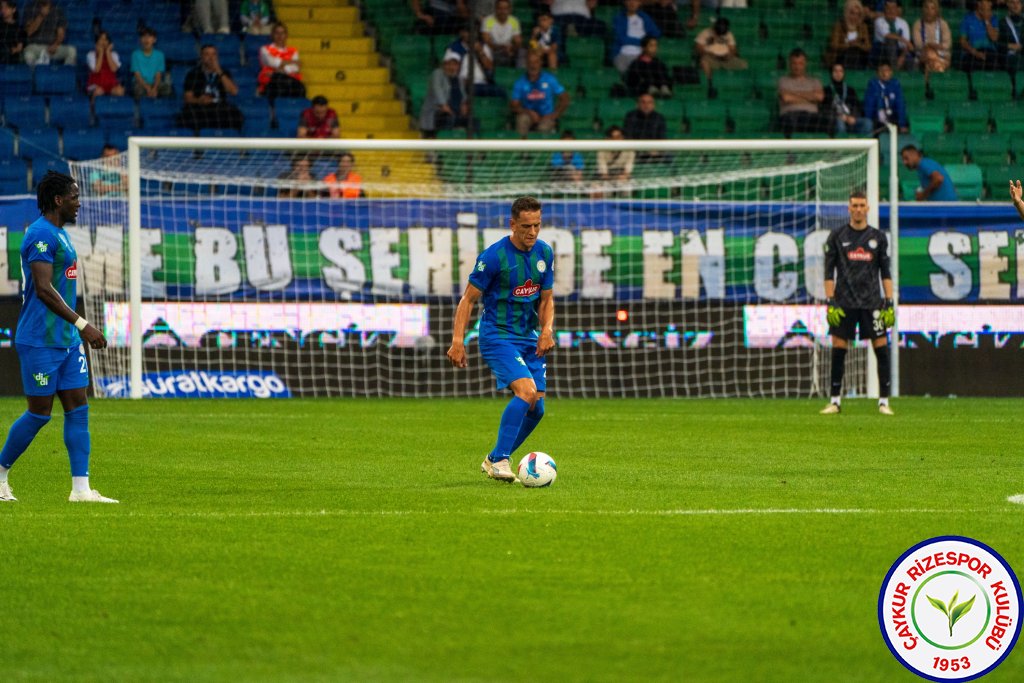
<point>72,271</point>
<point>41,246</point>
<point>873,244</point>
<point>860,254</point>
<point>541,266</point>
<point>526,289</point>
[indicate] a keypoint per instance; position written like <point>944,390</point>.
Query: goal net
<point>230,267</point>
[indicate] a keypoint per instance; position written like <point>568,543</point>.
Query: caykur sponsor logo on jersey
<point>526,289</point>
<point>860,254</point>
<point>71,272</point>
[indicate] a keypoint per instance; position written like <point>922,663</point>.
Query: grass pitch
<point>729,540</point>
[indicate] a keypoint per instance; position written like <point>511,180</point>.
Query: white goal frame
<point>138,145</point>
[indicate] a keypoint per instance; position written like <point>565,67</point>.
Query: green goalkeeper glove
<point>887,314</point>
<point>835,313</point>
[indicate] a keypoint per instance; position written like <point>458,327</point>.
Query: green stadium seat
<point>992,86</point>
<point>598,82</point>
<point>675,51</point>
<point>991,149</point>
<point>707,118</point>
<point>1008,117</point>
<point>751,118</point>
<point>913,87</point>
<point>949,86</point>
<point>766,83</point>
<point>927,118</point>
<point>946,148</point>
<point>968,180</point>
<point>908,183</point>
<point>733,86</point>
<point>970,117</point>
<point>585,52</point>
<point>672,110</point>
<point>997,178</point>
<point>613,111</point>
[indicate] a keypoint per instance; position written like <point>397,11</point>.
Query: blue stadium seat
<point>7,143</point>
<point>14,186</point>
<point>251,49</point>
<point>55,79</point>
<point>179,49</point>
<point>288,109</point>
<point>15,79</point>
<point>219,133</point>
<point>157,114</point>
<point>115,112</point>
<point>245,80</point>
<point>119,137</point>
<point>25,112</point>
<point>13,169</point>
<point>36,143</point>
<point>83,143</point>
<point>178,73</point>
<point>40,167</point>
<point>70,112</point>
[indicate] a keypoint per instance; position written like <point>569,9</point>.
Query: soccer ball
<point>536,470</point>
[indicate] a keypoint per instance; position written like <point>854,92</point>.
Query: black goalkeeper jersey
<point>855,259</point>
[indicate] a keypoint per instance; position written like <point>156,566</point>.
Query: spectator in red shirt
<point>319,121</point>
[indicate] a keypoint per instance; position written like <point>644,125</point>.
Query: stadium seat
<point>252,44</point>
<point>118,137</point>
<point>36,143</point>
<point>70,112</point>
<point>288,109</point>
<point>946,148</point>
<point>1008,117</point>
<point>54,79</point>
<point>40,167</point>
<point>8,143</point>
<point>991,86</point>
<point>13,175</point>
<point>967,179</point>
<point>991,149</point>
<point>178,73</point>
<point>159,113</point>
<point>997,178</point>
<point>114,112</point>
<point>750,119</point>
<point>706,117</point>
<point>179,49</point>
<point>15,80</point>
<point>82,143</point>
<point>949,86</point>
<point>927,118</point>
<point>970,117</point>
<point>24,112</point>
<point>585,52</point>
<point>613,111</point>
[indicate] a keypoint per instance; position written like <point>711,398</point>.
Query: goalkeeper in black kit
<point>856,257</point>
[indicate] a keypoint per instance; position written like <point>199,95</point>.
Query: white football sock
<point>883,401</point>
<point>3,472</point>
<point>80,484</point>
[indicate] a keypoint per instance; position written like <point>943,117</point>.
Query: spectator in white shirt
<point>892,37</point>
<point>503,34</point>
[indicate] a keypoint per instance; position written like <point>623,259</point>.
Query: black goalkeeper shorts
<point>868,319</point>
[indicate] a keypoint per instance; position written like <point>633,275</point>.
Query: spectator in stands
<point>303,185</point>
<point>575,17</point>
<point>46,28</point>
<point>546,38</point>
<point>892,37</point>
<point>666,15</point>
<point>615,167</point>
<point>1011,39</point>
<point>979,35</point>
<point>933,41</point>
<point>716,48</point>
<point>345,183</point>
<point>440,16</point>
<point>445,106</point>
<point>936,185</point>
<point>149,77</point>
<point>567,166</point>
<point>111,180</point>
<point>538,99</point>
<point>884,102</point>
<point>850,42</point>
<point>483,66</point>
<point>103,63</point>
<point>207,87</point>
<point>629,27</point>
<point>318,121</point>
<point>503,34</point>
<point>206,12</point>
<point>695,8</point>
<point>12,35</point>
<point>647,73</point>
<point>800,96</point>
<point>841,100</point>
<point>280,69</point>
<point>644,123</point>
<point>256,18</point>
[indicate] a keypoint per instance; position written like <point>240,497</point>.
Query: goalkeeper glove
<point>835,313</point>
<point>887,314</point>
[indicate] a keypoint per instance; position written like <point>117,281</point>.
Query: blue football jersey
<point>511,281</point>
<point>37,324</point>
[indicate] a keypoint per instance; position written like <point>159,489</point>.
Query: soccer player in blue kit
<point>49,339</point>
<point>514,277</point>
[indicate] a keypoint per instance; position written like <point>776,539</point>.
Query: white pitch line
<point>1017,499</point>
<point>213,514</point>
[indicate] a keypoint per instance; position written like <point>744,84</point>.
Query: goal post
<point>698,274</point>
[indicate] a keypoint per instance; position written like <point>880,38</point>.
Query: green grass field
<point>338,540</point>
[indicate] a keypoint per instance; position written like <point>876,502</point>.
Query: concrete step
<point>337,91</point>
<point>376,122</point>
<point>302,13</point>
<point>339,61</point>
<point>330,29</point>
<point>380,135</point>
<point>287,4</point>
<point>390,107</point>
<point>331,44</point>
<point>357,76</point>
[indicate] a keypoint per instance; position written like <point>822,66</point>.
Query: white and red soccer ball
<point>537,469</point>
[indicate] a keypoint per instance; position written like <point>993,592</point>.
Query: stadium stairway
<point>340,62</point>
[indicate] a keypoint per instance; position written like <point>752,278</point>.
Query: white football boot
<point>90,496</point>
<point>498,470</point>
<point>6,494</point>
<point>884,409</point>
<point>831,409</point>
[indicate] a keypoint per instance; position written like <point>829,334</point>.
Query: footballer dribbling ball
<point>537,470</point>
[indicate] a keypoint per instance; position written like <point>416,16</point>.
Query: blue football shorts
<point>510,360</point>
<point>46,370</point>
